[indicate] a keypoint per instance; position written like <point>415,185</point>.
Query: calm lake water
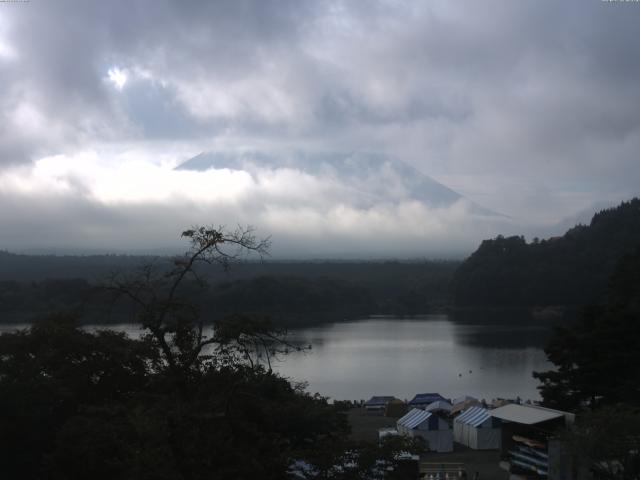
<point>433,353</point>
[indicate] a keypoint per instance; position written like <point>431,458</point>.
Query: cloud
<point>529,108</point>
<point>96,201</point>
<point>117,77</point>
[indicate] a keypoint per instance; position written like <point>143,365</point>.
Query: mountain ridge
<point>372,175</point>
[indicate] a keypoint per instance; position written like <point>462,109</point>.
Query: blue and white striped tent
<point>437,433</point>
<point>477,429</point>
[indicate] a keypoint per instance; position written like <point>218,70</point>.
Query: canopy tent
<point>477,429</point>
<point>439,406</point>
<point>427,425</point>
<point>421,400</point>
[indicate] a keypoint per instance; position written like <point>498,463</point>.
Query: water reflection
<point>402,357</point>
<point>390,356</point>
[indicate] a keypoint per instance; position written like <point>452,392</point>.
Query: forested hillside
<point>569,270</point>
<point>290,292</point>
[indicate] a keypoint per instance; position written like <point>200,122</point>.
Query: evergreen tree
<point>597,359</point>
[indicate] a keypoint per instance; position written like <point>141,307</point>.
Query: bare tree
<point>172,321</point>
<point>238,345</point>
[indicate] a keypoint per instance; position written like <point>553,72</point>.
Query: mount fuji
<point>369,179</point>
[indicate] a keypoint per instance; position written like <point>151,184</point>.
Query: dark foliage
<point>175,404</point>
<point>568,270</point>
<point>597,376</point>
<point>289,298</point>
<point>606,441</point>
<point>291,293</point>
<point>76,405</point>
<point>597,359</point>
<point>50,374</point>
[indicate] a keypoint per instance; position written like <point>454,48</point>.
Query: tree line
<point>569,270</point>
<point>393,288</point>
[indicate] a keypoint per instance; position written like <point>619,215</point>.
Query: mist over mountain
<point>372,177</point>
<point>404,209</point>
<point>313,205</point>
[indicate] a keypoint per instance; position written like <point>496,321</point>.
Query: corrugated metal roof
<point>525,414</point>
<point>414,418</point>
<point>474,416</point>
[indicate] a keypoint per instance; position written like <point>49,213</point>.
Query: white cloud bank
<point>111,202</point>
<point>528,108</point>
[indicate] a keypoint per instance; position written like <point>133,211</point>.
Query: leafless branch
<point>175,324</point>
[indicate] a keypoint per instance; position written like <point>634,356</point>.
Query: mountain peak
<point>375,176</point>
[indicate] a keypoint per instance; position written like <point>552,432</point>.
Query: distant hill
<point>572,269</point>
<point>29,268</point>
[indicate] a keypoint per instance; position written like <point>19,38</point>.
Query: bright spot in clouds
<point>7,51</point>
<point>118,77</point>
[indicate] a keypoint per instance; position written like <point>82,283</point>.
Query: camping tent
<point>437,433</point>
<point>477,429</point>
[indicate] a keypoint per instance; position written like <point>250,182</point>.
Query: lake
<point>432,353</point>
<point>487,357</point>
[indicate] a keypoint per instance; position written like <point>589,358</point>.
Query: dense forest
<point>289,292</point>
<point>604,340</point>
<point>569,270</point>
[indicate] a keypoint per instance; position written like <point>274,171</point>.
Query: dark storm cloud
<point>65,49</point>
<point>542,65</point>
<point>529,107</point>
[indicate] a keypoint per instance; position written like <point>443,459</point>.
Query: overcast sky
<point>528,108</point>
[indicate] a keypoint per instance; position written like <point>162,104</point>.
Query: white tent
<point>477,429</point>
<point>439,406</point>
<point>437,433</point>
